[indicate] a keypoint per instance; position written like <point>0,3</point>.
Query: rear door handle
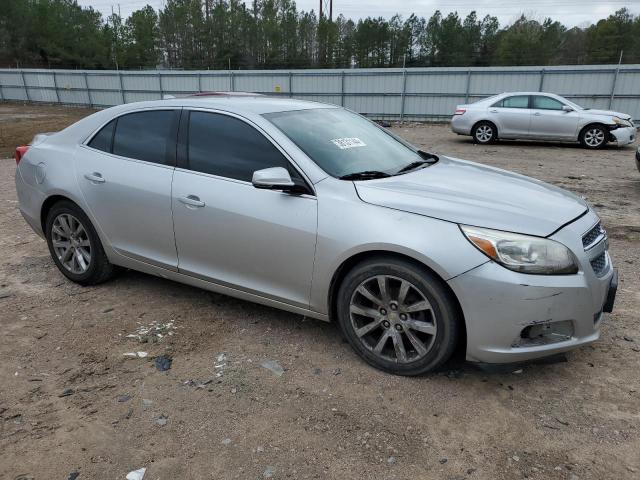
<point>94,177</point>
<point>537,114</point>
<point>192,201</point>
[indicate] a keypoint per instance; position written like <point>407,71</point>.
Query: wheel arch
<point>352,261</point>
<point>473,127</point>
<point>48,204</point>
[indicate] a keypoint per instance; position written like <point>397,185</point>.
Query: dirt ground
<point>71,401</point>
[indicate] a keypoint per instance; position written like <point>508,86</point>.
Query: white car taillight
<point>459,111</point>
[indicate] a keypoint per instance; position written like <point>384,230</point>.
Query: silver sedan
<point>314,209</point>
<point>541,116</point>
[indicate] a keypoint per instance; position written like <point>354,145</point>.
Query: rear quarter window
<point>102,140</point>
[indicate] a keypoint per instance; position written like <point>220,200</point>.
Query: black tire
<point>594,136</point>
<point>444,317</point>
<point>99,269</point>
<point>484,133</point>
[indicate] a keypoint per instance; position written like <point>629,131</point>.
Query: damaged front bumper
<point>514,317</point>
<point>623,135</point>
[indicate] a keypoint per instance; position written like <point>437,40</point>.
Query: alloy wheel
<point>393,319</point>
<point>484,133</point>
<point>594,137</point>
<point>71,243</point>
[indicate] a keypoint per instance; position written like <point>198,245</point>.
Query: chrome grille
<point>593,236</point>
<point>599,264</point>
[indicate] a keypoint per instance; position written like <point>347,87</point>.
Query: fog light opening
<point>545,333</point>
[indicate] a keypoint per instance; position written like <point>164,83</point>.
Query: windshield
<point>344,143</point>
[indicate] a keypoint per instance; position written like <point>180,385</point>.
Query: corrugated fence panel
<point>143,82</point>
<point>579,83</point>
<point>215,83</point>
<point>261,82</point>
<point>414,93</point>
<point>302,83</point>
<point>492,83</point>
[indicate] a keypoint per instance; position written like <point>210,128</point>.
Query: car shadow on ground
<point>544,144</point>
<point>317,331</point>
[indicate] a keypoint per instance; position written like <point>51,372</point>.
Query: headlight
<point>621,121</point>
<point>523,253</point>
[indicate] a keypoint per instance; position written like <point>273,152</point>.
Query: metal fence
<point>394,94</point>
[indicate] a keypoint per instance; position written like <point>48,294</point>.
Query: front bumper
<point>624,135</point>
<point>514,317</point>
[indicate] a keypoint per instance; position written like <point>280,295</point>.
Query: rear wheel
<point>593,136</point>
<point>75,246</point>
<point>398,317</point>
<point>484,133</point>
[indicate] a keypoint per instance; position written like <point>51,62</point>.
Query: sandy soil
<point>328,416</point>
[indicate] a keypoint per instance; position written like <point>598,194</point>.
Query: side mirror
<point>275,178</point>
<point>567,108</point>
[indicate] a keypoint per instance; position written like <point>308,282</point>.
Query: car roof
<point>239,102</point>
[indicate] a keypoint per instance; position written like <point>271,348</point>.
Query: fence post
<point>1,94</point>
<point>404,91</point>
<point>232,86</point>
<point>121,86</point>
<point>86,84</point>
<point>541,80</point>
<point>342,89</point>
<point>24,84</point>
<point>160,85</point>
<point>199,82</point>
<point>290,84</point>
<point>466,94</point>
<point>55,85</point>
<point>613,85</point>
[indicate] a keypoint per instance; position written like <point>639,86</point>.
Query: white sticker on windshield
<point>352,142</point>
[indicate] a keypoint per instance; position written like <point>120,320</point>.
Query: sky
<point>569,12</point>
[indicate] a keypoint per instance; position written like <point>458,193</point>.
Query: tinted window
<point>102,139</point>
<point>228,147</point>
<point>546,103</point>
<point>145,136</point>
<point>517,101</point>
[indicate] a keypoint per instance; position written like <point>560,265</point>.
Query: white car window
<point>542,102</point>
<point>516,101</point>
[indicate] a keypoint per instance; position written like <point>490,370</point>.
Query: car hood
<point>469,193</point>
<point>607,113</point>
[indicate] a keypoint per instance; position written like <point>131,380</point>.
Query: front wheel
<point>75,246</point>
<point>398,317</point>
<point>594,136</point>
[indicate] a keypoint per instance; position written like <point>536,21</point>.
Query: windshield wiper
<point>366,175</point>
<point>414,165</point>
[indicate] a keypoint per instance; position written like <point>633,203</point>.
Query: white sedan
<point>541,116</point>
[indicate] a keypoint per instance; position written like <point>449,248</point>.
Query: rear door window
<point>516,101</point>
<point>148,136</point>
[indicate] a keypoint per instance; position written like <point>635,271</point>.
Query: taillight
<point>20,152</point>
<point>459,111</point>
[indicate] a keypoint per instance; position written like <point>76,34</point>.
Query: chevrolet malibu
<point>316,210</point>
<point>541,116</point>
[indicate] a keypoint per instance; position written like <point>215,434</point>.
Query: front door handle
<point>537,114</point>
<point>494,111</point>
<point>192,201</point>
<point>95,177</point>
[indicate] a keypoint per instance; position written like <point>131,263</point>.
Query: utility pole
<point>324,4</point>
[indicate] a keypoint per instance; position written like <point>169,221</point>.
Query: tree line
<point>221,34</point>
